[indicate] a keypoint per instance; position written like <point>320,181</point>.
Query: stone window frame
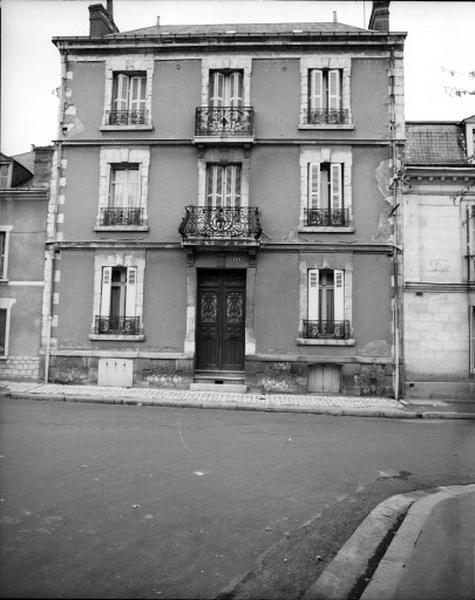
<point>123,64</point>
<point>5,229</point>
<point>217,63</point>
<point>471,335</point>
<point>224,156</point>
<point>325,61</point>
<point>320,262</point>
<point>328,154</point>
<point>135,258</point>
<point>9,166</point>
<point>6,304</point>
<point>110,156</point>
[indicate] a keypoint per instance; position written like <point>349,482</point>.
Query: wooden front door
<point>220,320</point>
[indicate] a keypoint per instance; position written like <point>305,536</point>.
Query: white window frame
<point>335,155</point>
<point>6,304</point>
<point>226,63</point>
<point>228,195</point>
<point>114,184</point>
<point>228,96</point>
<point>311,267</point>
<point>5,229</point>
<point>223,156</point>
<point>122,65</point>
<point>9,166</point>
<point>471,342</point>
<point>109,157</point>
<point>134,262</point>
<point>325,63</point>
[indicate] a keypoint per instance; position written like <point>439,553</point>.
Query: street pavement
<point>430,531</point>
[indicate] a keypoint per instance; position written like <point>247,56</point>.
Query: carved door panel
<point>220,320</point>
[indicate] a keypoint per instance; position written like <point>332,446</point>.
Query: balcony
<point>120,216</point>
<point>226,122</point>
<point>326,116</point>
<point>117,325</point>
<point>338,330</point>
<point>127,117</point>
<point>220,226</point>
<point>326,217</point>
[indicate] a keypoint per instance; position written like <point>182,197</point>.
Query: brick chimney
<point>100,21</point>
<point>379,19</point>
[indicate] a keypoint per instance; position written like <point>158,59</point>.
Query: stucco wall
<point>369,97</point>
<point>84,103</point>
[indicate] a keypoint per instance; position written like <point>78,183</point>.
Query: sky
<point>440,40</point>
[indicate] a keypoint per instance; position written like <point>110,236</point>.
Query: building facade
<point>439,260</point>
<point>222,209</point>
<point>24,192</point>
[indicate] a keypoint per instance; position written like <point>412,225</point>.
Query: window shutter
<point>334,91</point>
<point>131,292</point>
<point>313,191</point>
<point>236,98</point>
<point>217,89</point>
<point>316,89</point>
<point>339,295</point>
<point>313,312</point>
<point>121,96</point>
<point>137,93</point>
<point>336,185</point>
<point>106,291</point>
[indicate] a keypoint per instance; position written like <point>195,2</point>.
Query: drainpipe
<point>51,250</point>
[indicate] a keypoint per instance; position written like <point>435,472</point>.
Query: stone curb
<point>393,526</point>
<point>239,405</point>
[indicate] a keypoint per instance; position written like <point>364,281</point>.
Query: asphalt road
<point>118,501</point>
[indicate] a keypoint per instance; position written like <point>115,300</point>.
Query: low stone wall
<point>21,367</point>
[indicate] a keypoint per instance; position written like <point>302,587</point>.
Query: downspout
<point>395,186</point>
<point>52,233</point>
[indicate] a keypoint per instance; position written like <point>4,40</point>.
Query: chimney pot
<point>158,21</point>
<point>335,20</point>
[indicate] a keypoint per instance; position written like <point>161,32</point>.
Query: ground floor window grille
<point>325,305</point>
<point>118,302</point>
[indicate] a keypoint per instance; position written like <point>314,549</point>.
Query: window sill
<point>2,280</point>
<point>3,357</point>
<point>326,126</point>
<point>137,127</point>
<point>317,229</point>
<point>121,228</point>
<point>104,337</point>
<point>324,342</point>
<point>222,139</point>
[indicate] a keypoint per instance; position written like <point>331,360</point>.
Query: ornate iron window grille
<point>326,217</point>
<point>127,117</point>
<point>121,216</point>
<point>326,116</point>
<point>117,325</point>
<point>220,222</point>
<point>326,329</point>
<point>224,120</point>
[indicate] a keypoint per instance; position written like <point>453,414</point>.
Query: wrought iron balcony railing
<point>224,121</point>
<point>121,216</point>
<point>326,116</point>
<point>117,325</point>
<point>326,217</point>
<point>127,117</point>
<point>326,329</point>
<point>220,222</point>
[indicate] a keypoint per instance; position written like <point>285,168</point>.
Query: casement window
<point>324,89</point>
<point>223,185</point>
<point>226,89</point>
<point>124,201</point>
<point>129,106</point>
<point>3,254</point>
<point>326,304</point>
<point>4,176</point>
<point>118,302</point>
<point>3,332</point>
<point>472,339</point>
<point>325,203</point>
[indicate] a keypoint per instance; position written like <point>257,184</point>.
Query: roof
<point>26,159</point>
<point>242,28</point>
<point>435,144</point>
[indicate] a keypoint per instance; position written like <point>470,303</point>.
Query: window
<point>4,176</point>
<point>128,99</point>
<point>472,339</point>
<point>4,240</point>
<point>118,302</point>
<point>223,185</point>
<point>124,196</point>
<point>326,304</point>
<point>3,332</point>
<point>325,195</point>
<point>226,89</point>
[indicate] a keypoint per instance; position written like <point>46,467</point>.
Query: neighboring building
<point>24,191</point>
<point>222,208</point>
<point>439,260</point>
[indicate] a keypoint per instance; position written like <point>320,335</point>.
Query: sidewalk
<point>302,403</point>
